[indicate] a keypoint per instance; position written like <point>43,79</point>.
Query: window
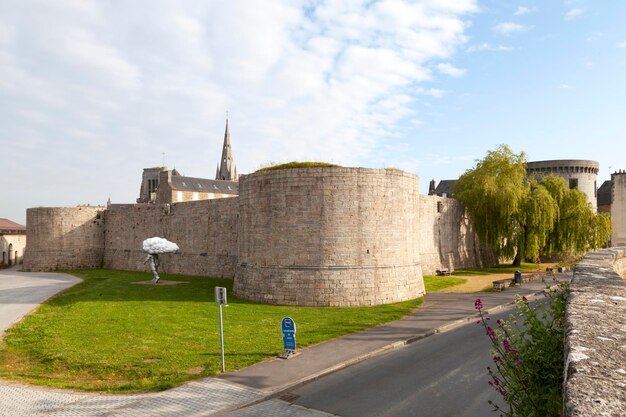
<point>573,183</point>
<point>179,196</point>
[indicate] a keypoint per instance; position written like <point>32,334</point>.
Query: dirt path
<point>477,283</point>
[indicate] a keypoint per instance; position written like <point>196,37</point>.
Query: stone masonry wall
<point>595,336</point>
<point>63,238</point>
<point>618,208</point>
<point>205,231</point>
<point>329,237</point>
<point>446,237</point>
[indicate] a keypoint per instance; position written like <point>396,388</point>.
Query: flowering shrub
<point>527,351</point>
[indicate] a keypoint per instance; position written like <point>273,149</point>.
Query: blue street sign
<point>288,327</point>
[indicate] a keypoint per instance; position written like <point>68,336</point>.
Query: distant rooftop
<point>444,188</point>
<point>204,185</point>
<point>604,193</point>
<point>8,226</point>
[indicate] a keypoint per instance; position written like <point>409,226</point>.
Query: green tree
<point>521,218</point>
<point>495,196</point>
<point>578,228</point>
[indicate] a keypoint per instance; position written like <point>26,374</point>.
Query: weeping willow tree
<point>578,228</point>
<point>495,196</point>
<point>521,218</point>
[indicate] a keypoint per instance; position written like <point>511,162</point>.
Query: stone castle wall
<point>329,237</point>
<point>316,236</point>
<point>447,238</point>
<point>205,231</point>
<point>618,209</point>
<point>64,238</point>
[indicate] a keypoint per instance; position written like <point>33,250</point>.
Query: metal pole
<point>222,338</point>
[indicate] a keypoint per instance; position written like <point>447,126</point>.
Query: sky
<point>92,92</point>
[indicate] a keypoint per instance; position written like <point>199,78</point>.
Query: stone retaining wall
<point>595,336</point>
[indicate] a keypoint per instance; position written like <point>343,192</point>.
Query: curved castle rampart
<point>64,238</point>
<point>329,237</point>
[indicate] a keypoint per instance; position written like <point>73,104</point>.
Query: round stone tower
<point>329,237</point>
<point>578,173</point>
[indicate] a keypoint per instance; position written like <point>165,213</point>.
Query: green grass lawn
<point>525,268</point>
<point>436,283</point>
<point>108,334</point>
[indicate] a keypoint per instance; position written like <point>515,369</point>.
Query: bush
<point>528,355</point>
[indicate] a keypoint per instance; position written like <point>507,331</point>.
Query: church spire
<point>226,168</point>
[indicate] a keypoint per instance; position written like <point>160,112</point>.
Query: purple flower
<point>506,345</point>
<point>478,304</point>
<point>491,333</point>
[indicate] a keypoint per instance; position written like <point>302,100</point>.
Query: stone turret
<point>579,173</point>
<point>226,169</point>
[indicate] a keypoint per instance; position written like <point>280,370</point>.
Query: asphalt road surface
<point>441,375</point>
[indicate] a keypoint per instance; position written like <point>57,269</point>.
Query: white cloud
<point>451,70</point>
<point>522,10</point>
<point>507,28</point>
<point>301,79</point>
<point>432,92</point>
<point>574,13</point>
<point>485,46</point>
<point>622,44</point>
<point>565,87</point>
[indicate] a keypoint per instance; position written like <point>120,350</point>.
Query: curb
<point>279,391</point>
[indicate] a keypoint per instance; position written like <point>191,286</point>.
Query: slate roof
<point>11,226</point>
<point>445,187</point>
<point>604,193</point>
<point>203,185</point>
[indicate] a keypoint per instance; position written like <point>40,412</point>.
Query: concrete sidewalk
<point>226,395</point>
<point>440,312</point>
<point>22,292</point>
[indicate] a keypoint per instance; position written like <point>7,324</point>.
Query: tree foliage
<point>522,218</point>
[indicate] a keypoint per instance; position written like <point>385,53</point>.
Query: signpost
<point>220,299</point>
<point>288,328</point>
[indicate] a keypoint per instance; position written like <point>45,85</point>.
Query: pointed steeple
<point>226,169</point>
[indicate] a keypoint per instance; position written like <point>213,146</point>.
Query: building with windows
<point>12,242</point>
<point>161,185</point>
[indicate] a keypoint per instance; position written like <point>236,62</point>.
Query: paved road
<point>443,375</point>
<point>22,292</point>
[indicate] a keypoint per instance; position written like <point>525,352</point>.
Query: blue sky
<point>93,92</point>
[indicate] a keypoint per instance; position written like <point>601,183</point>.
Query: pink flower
<point>478,304</point>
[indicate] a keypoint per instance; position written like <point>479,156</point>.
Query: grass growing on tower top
<point>107,334</point>
<point>295,164</point>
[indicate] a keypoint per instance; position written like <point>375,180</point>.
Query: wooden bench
<point>443,272</point>
<point>501,284</point>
